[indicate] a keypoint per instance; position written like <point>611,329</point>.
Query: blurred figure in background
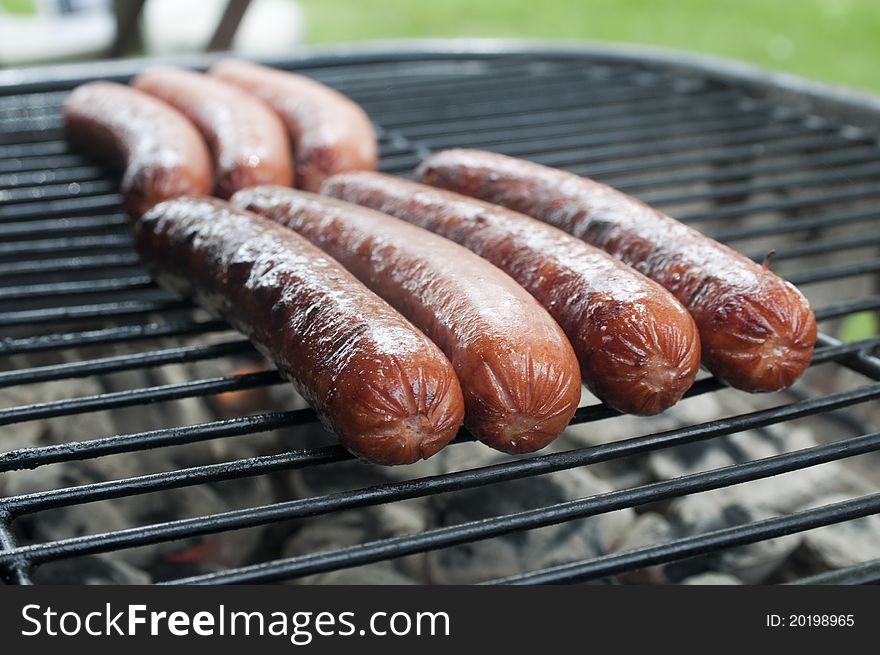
<point>38,31</point>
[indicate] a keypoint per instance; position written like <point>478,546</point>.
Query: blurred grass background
<point>833,40</point>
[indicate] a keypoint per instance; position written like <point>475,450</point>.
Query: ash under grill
<point>144,441</point>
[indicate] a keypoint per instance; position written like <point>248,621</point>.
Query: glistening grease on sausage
<point>247,139</point>
<point>330,132</point>
<point>757,330</point>
<point>161,152</point>
<point>386,390</point>
<point>638,347</point>
<point>518,373</point>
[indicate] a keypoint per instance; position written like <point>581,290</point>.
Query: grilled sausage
<point>246,138</point>
<point>757,330</point>
<point>638,347</point>
<point>161,152</point>
<point>517,370</point>
<point>387,391</point>
<point>330,132</point>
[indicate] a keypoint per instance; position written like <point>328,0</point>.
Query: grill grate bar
<point>595,162</point>
<point>603,132</point>
<point>835,272</point>
<point>848,307</point>
<point>29,503</point>
<point>825,198</point>
<point>571,150</point>
<point>810,222</point>
<point>500,81</point>
<point>109,335</point>
<point>91,243</point>
<point>41,178</point>
<point>84,312</point>
<point>579,117</point>
<point>373,551</point>
<point>128,362</point>
<point>831,162</point>
<point>55,207</point>
<point>69,264</point>
<point>822,178</point>
<point>129,283</point>
<point>16,572</point>
<point>45,192</point>
<point>822,248</point>
<point>40,148</point>
<point>505,107</point>
<point>32,457</point>
<point>706,543</point>
<point>40,163</point>
<point>64,225</point>
<point>866,573</point>
<point>126,443</point>
<point>37,553</point>
<point>129,397</point>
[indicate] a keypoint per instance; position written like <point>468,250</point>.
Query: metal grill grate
<point>755,172</point>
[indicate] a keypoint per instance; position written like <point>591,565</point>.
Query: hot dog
<point>518,373</point>
<point>387,391</point>
<point>757,330</point>
<point>246,138</point>
<point>638,347</point>
<point>161,152</point>
<point>330,133</point>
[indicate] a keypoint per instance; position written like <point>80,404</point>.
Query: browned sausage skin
<point>638,347</point>
<point>161,152</point>
<point>757,330</point>
<point>247,139</point>
<point>518,373</point>
<point>330,132</point>
<point>374,379</point>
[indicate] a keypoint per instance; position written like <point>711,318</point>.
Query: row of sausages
<point>484,293</point>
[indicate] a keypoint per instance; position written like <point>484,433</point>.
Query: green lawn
<point>835,40</point>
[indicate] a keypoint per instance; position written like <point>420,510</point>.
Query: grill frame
<point>853,114</point>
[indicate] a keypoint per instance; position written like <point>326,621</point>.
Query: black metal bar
<point>848,194</point>
<point>108,335</point>
<point>129,397</point>
<point>73,313</point>
<point>835,272</point>
<point>64,226</point>
<point>848,307</point>
<point>42,246</point>
<point>705,543</point>
<point>834,177</point>
<point>33,457</point>
<point>69,264</point>
<point>47,192</point>
<point>251,466</point>
<point>41,178</point>
<point>436,538</point>
<point>83,368</point>
<point>852,154</point>
<point>80,287</point>
<point>790,225</point>
<point>595,163</point>
<point>37,553</point>
<point>860,360</point>
<point>865,573</point>
<point>821,247</point>
<point>41,163</point>
<point>228,25</point>
<point>15,571</point>
<point>583,117</point>
<point>65,206</point>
